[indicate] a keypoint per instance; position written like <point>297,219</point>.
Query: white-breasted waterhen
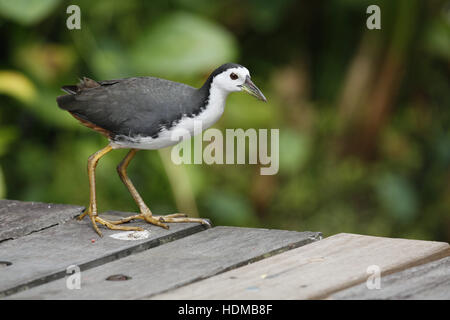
<point>141,113</point>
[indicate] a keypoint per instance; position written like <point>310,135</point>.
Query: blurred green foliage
<point>363,114</point>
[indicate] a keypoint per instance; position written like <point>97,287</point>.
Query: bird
<point>141,113</point>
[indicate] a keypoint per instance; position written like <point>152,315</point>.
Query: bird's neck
<point>214,99</point>
<point>213,95</point>
<point>217,97</point>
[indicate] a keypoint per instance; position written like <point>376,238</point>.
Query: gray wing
<point>132,106</point>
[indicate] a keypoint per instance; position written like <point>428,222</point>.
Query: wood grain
<point>175,264</point>
<point>314,271</point>
<point>427,281</point>
<point>45,255</point>
<point>18,218</point>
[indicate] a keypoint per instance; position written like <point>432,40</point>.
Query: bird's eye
<point>233,76</point>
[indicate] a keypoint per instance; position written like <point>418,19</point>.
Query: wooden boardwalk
<point>42,244</point>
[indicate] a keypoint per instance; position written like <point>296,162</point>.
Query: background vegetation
<point>363,114</point>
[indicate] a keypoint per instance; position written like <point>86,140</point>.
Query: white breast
<point>210,114</point>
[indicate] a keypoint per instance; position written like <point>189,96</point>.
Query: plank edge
<point>445,252</point>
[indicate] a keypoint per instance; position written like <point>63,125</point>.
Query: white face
<point>231,80</point>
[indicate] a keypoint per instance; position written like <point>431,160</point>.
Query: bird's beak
<point>249,87</point>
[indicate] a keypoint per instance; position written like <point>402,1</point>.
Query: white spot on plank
<point>131,235</point>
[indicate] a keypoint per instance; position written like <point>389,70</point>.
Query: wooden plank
<point>314,271</point>
<point>175,264</point>
<point>18,218</point>
<point>44,256</point>
<point>424,282</point>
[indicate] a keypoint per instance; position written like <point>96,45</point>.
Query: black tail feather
<point>70,89</point>
<point>85,83</point>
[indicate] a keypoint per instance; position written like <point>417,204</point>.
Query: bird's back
<point>139,106</point>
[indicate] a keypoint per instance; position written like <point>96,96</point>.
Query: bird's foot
<point>162,220</point>
<point>181,217</point>
<point>113,225</point>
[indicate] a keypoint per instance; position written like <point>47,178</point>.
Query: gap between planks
<point>175,264</point>
<point>44,256</point>
<point>314,271</point>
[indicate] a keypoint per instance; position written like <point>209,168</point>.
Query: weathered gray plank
<point>175,264</point>
<point>314,271</point>
<point>427,281</point>
<point>44,256</point>
<point>18,218</point>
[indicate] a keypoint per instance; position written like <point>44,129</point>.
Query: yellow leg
<point>92,210</point>
<point>146,214</point>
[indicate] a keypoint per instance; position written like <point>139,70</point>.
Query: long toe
<point>112,226</point>
<point>144,216</point>
<point>94,224</point>
<point>159,221</point>
<point>169,219</point>
<point>128,219</point>
<point>172,215</point>
<point>156,221</point>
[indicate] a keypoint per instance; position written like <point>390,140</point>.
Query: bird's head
<point>233,77</point>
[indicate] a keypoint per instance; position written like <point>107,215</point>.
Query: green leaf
<point>226,208</point>
<point>437,39</point>
<point>17,85</point>
<point>294,151</point>
<point>110,62</point>
<point>396,194</point>
<point>45,108</point>
<point>244,111</point>
<point>26,11</point>
<point>8,134</point>
<point>183,44</point>
<point>265,15</point>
